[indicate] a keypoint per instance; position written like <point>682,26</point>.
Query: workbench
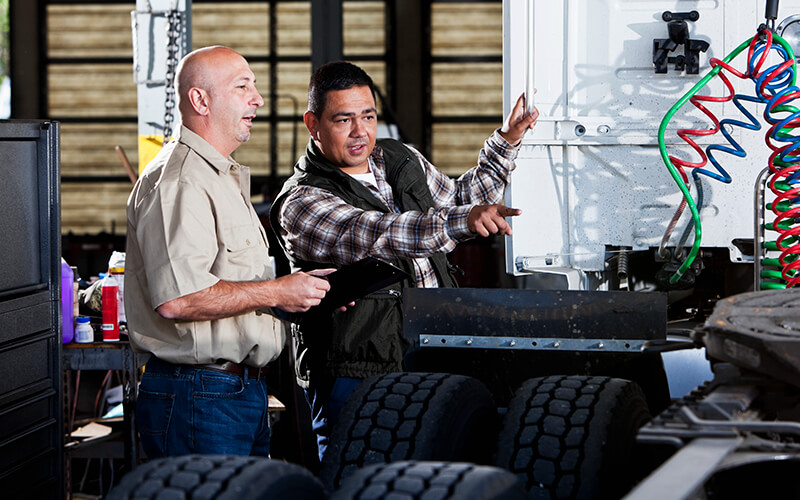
<point>105,356</point>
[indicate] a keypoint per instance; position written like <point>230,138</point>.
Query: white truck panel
<point>590,175</point>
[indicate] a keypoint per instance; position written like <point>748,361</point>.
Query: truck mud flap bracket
<point>531,343</point>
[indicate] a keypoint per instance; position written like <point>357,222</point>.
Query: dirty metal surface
<point>543,314</point>
<point>759,331</point>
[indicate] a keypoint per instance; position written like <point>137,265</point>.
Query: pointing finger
<point>508,211</point>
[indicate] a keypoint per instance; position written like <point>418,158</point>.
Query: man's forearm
<point>482,184</point>
<point>221,300</point>
<point>486,183</point>
<point>295,292</point>
<point>321,227</point>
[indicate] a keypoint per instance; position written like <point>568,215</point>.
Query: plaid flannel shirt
<point>318,226</point>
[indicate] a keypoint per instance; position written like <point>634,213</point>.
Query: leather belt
<point>236,369</point>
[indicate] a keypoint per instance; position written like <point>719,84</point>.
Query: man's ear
<point>199,99</point>
<point>311,124</point>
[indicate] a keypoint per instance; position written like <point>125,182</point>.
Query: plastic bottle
<point>110,294</point>
<point>84,333</point>
<point>67,305</point>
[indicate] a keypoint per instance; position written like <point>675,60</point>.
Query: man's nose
<point>358,129</point>
<point>257,99</point>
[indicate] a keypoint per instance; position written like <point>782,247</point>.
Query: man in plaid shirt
<point>353,197</point>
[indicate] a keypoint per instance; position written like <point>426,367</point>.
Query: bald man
<point>200,290</point>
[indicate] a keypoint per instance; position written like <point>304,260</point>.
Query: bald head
<point>196,69</point>
<point>217,96</point>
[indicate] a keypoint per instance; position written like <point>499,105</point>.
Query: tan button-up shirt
<point>191,224</point>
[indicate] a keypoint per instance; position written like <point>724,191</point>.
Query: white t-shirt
<point>368,177</point>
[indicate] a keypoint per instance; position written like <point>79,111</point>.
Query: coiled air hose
<point>775,87</point>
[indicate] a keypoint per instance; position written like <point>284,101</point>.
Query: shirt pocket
<point>243,258</point>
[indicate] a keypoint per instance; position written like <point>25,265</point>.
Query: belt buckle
<point>249,372</point>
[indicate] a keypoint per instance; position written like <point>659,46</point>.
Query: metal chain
<point>173,38</point>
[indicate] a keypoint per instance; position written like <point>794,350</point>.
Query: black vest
<point>367,339</point>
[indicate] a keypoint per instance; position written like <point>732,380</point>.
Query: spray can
<point>110,294</point>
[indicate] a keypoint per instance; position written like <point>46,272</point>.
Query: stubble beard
<point>243,136</point>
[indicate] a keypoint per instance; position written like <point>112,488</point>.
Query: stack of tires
<point>438,436</point>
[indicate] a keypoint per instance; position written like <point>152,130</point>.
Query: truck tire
<point>412,480</point>
<point>411,416</point>
<point>573,436</point>
<point>218,477</point>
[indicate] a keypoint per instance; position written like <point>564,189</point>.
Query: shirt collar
<point>206,150</point>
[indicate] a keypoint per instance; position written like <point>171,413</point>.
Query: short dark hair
<point>338,75</point>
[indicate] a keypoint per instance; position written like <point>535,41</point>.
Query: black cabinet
<point>31,426</point>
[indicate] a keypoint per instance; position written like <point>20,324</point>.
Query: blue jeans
<point>181,410</point>
<point>326,400</point>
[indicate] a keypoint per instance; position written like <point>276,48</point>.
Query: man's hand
<point>518,121</point>
<point>325,272</point>
<point>300,291</point>
<point>490,219</point>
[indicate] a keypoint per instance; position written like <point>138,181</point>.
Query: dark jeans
<point>181,410</point>
<point>326,399</point>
